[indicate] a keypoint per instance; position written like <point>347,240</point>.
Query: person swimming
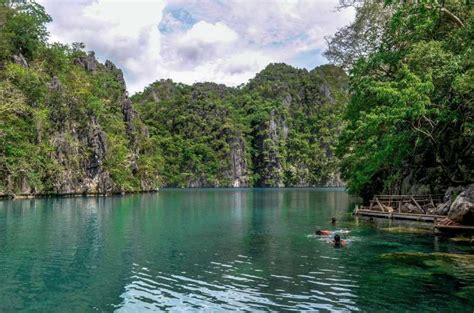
<point>333,221</point>
<point>338,242</point>
<point>323,232</point>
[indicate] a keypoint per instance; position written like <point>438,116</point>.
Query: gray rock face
<point>238,166</point>
<point>269,161</point>
<point>335,181</point>
<point>462,209</point>
<point>80,140</point>
<point>20,60</point>
<point>324,90</point>
<point>65,181</point>
<point>96,142</point>
<point>441,209</point>
<point>451,194</point>
<point>97,180</point>
<point>55,84</point>
<point>89,62</point>
<point>128,116</point>
<point>448,198</point>
<point>109,66</point>
<point>411,208</point>
<point>81,155</point>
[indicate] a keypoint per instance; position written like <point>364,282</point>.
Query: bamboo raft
<point>400,216</point>
<point>390,207</point>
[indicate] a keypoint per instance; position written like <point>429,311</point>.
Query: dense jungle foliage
<point>410,121</point>
<point>68,126</point>
<point>280,129</point>
<point>62,125</point>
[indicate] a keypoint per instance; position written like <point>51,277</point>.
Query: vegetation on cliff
<point>68,126</point>
<point>66,123</point>
<point>410,118</point>
<point>280,129</point>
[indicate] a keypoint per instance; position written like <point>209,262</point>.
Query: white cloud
<point>124,32</point>
<point>201,43</point>
<point>210,33</point>
<point>208,40</point>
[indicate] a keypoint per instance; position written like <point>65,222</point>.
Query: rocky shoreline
<point>457,205</point>
<point>69,195</point>
<point>4,196</point>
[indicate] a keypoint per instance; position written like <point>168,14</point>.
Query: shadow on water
<point>208,249</point>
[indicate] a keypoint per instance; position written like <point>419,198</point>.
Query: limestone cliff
<point>85,136</point>
<point>278,130</point>
<point>295,141</point>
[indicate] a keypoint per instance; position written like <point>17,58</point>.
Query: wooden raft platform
<point>402,216</point>
<point>384,207</point>
<point>391,206</point>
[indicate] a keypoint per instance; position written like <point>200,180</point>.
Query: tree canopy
<point>410,118</point>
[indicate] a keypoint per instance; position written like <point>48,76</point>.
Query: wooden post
<point>380,204</point>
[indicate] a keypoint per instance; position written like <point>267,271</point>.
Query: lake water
<point>217,250</point>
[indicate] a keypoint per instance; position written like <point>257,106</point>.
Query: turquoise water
<point>217,250</point>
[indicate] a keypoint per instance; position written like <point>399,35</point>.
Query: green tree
<point>410,118</point>
<point>25,26</point>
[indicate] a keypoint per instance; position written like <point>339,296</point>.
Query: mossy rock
<point>439,262</point>
<point>412,271</point>
<point>466,293</point>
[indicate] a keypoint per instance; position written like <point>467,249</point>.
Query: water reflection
<point>214,250</point>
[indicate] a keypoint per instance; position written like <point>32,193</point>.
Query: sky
<point>223,41</point>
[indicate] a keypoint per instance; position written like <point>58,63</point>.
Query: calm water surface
<point>217,250</point>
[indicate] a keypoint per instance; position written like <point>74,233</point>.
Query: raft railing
<point>387,203</point>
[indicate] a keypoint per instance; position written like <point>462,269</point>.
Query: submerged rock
<point>408,230</point>
<point>463,239</point>
<point>439,260</point>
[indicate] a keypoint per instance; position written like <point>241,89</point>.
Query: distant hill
<point>278,130</point>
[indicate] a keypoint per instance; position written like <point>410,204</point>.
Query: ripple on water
<point>237,291</point>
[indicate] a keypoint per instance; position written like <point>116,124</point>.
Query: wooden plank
<point>417,205</point>
<point>395,215</point>
<point>414,214</point>
<point>423,196</point>
<point>380,204</point>
<point>456,227</point>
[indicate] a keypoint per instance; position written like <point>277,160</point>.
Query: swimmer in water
<point>337,242</point>
<point>323,232</point>
<point>333,221</point>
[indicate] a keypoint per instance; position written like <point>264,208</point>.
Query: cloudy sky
<point>224,41</point>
